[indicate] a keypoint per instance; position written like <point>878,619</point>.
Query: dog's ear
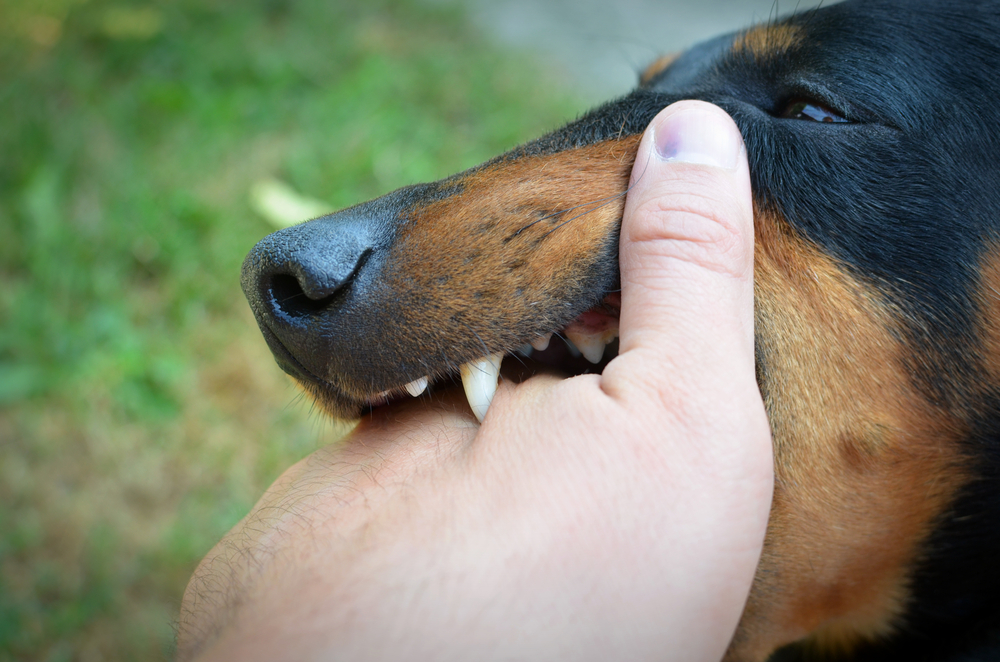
<point>656,67</point>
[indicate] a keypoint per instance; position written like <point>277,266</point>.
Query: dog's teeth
<point>525,350</point>
<point>591,346</point>
<point>417,386</point>
<point>542,343</point>
<point>480,381</point>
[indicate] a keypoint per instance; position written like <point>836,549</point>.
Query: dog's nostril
<point>307,286</point>
<point>287,297</point>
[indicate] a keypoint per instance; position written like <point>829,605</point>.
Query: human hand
<point>611,516</point>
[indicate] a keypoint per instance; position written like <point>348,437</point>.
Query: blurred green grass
<point>140,413</point>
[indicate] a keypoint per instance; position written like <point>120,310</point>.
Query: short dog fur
<point>873,133</point>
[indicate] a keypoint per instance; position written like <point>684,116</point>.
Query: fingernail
<point>697,136</point>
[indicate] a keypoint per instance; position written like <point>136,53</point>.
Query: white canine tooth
<point>542,343</point>
<point>417,386</point>
<point>591,346</point>
<point>479,378</point>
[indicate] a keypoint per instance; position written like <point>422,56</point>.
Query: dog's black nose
<point>295,274</point>
<point>299,279</point>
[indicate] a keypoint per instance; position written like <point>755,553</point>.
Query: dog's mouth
<point>443,282</point>
<point>585,345</point>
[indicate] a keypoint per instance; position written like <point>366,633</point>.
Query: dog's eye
<point>805,110</point>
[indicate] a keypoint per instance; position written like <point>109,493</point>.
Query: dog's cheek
<point>864,464</point>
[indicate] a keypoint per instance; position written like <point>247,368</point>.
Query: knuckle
<point>694,228</point>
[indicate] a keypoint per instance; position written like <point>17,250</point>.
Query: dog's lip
<point>584,348</point>
<point>284,358</point>
<point>294,368</point>
<point>581,348</point>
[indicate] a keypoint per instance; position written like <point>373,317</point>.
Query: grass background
<point>140,412</point>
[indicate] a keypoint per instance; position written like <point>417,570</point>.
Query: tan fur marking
<point>989,305</point>
<point>657,67</point>
<point>766,41</point>
<point>863,463</point>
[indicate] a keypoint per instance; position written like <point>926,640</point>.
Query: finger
<point>687,250</point>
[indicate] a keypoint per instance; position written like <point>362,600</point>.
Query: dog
<point>872,129</point>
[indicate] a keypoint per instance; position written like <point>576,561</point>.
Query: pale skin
<point>617,516</point>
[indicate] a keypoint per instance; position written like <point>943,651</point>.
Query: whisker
<point>605,204</point>
<point>563,211</point>
<point>486,349</point>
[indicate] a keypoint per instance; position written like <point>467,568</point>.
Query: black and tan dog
<point>873,133</point>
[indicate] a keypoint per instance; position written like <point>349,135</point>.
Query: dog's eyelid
<point>805,109</point>
<point>821,104</point>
